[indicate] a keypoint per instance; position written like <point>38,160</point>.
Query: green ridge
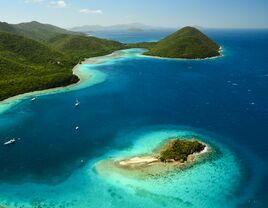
<point>34,30</point>
<point>80,47</point>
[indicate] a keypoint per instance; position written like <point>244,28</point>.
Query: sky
<point>168,13</point>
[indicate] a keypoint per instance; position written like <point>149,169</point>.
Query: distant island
<point>135,29</point>
<point>172,154</point>
<point>118,27</point>
<point>36,56</point>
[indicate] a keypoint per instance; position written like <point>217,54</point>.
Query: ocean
<point>135,103</point>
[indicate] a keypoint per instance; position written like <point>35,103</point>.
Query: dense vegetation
<point>28,65</point>
<point>179,150</point>
<point>187,42</point>
<point>80,47</point>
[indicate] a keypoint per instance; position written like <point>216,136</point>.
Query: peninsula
<point>35,56</point>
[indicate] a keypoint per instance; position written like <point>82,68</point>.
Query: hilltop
<point>34,30</point>
<point>188,42</point>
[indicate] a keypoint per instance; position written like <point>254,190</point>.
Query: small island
<point>172,154</point>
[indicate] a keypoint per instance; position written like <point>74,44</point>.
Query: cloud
<point>91,11</point>
<point>33,1</point>
<point>58,4</point>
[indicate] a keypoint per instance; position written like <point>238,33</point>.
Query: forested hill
<point>188,42</point>
<point>35,56</point>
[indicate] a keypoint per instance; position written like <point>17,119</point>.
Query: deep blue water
<point>225,96</point>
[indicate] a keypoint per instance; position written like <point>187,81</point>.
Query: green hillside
<point>188,43</point>
<point>34,30</point>
<point>27,65</point>
<point>80,47</point>
<point>35,56</point>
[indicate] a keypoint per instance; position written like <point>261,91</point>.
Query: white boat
<point>9,142</point>
<point>77,128</point>
<point>77,103</point>
<point>33,99</point>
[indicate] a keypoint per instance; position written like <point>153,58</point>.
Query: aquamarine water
<point>135,103</point>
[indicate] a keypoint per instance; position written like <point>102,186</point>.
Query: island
<point>36,56</point>
<point>172,154</point>
<point>135,29</point>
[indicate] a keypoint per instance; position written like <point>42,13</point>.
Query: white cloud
<point>91,11</point>
<point>33,1</point>
<point>58,4</point>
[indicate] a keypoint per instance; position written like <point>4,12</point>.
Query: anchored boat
<point>9,142</point>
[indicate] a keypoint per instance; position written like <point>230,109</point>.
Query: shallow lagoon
<point>139,100</point>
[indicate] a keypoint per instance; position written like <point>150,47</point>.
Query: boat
<point>77,103</point>
<point>9,142</point>
<point>77,128</point>
<point>33,99</point>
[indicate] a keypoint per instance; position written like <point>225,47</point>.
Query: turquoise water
<point>128,105</point>
<point>85,188</point>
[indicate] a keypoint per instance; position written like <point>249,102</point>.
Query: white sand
<point>138,160</point>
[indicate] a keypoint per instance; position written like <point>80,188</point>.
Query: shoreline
<point>187,59</point>
<point>86,78</point>
<point>86,75</point>
<point>78,70</point>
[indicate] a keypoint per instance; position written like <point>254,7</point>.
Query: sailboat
<point>77,103</point>
<point>9,142</point>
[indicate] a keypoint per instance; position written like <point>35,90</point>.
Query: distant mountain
<point>34,30</point>
<point>120,27</point>
<point>135,29</point>
<point>187,42</point>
